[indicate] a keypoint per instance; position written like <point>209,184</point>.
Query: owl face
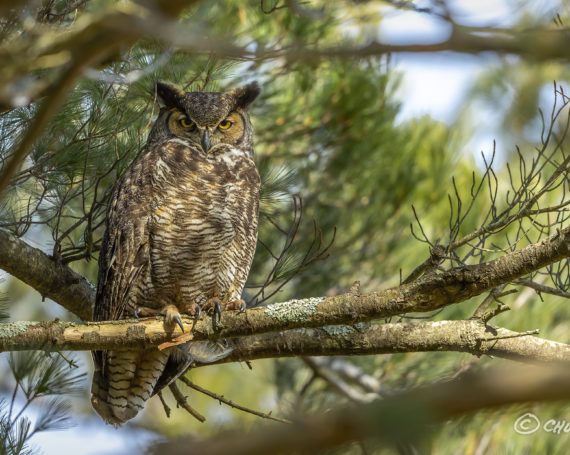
<point>208,120</point>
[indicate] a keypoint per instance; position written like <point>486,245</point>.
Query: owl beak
<point>206,141</point>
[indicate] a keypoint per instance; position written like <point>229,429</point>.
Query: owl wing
<point>124,255</point>
<point>125,245</point>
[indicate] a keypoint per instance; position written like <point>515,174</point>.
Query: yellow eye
<point>186,123</point>
<point>224,124</point>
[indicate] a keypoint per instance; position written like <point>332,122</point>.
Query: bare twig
<point>230,403</point>
<point>183,402</point>
<point>338,384</point>
<point>542,289</point>
<point>166,408</point>
<point>317,251</point>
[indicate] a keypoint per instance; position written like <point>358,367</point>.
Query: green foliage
<point>38,374</point>
<point>326,130</point>
<point>45,381</point>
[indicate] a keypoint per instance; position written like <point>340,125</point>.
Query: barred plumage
<point>181,230</point>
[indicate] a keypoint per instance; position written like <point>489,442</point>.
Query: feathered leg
<point>126,381</point>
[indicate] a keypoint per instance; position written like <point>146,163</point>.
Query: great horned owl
<point>181,233</point>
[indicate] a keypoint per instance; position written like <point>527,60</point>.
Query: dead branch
<point>181,401</point>
<point>542,289</point>
<point>165,406</point>
<point>230,403</point>
<point>535,44</point>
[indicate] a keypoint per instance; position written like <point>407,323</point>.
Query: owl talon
<point>191,309</point>
<point>171,316</point>
<point>211,304</point>
<point>197,317</point>
<point>218,310</point>
<point>216,314</point>
<point>179,322</point>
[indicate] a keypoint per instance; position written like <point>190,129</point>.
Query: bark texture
<point>50,278</point>
<point>472,336</point>
<point>430,292</point>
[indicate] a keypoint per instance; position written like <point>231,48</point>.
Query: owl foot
<point>146,312</point>
<point>192,309</point>
<point>237,304</point>
<point>170,313</point>
<point>171,316</point>
<point>214,306</point>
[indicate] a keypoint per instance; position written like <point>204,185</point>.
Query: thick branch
<point>55,281</point>
<point>126,22</point>
<point>470,336</point>
<point>363,339</point>
<point>431,292</point>
<point>394,419</point>
<point>535,44</point>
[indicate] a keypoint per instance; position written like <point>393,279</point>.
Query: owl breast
<point>203,225</point>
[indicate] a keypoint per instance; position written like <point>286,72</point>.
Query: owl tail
<point>123,382</point>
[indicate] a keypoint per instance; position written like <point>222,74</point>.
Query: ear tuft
<point>167,94</point>
<point>246,94</point>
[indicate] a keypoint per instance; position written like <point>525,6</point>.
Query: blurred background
<point>361,140</point>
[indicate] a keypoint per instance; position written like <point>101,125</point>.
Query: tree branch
<point>122,25</point>
<point>430,292</point>
<point>52,280</point>
<point>404,417</point>
<point>222,399</point>
<point>78,48</point>
<point>181,400</point>
<point>471,336</point>
<point>536,44</point>
<point>352,393</point>
<point>540,288</point>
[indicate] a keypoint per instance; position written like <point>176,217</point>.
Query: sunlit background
<point>451,88</point>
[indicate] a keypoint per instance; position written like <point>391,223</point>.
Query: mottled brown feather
<point>181,229</point>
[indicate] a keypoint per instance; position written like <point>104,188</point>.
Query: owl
<point>181,232</point>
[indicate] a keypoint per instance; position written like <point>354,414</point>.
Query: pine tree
<point>343,178</point>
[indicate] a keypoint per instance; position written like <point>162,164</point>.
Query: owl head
<point>205,119</point>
